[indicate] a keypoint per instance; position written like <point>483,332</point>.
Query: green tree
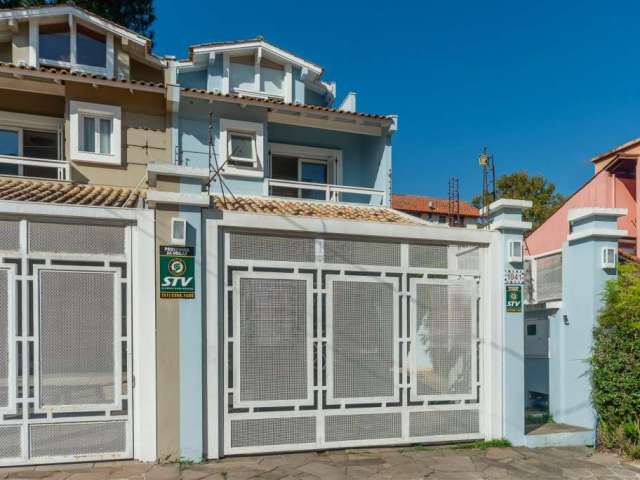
<point>136,15</point>
<point>615,364</point>
<point>521,186</point>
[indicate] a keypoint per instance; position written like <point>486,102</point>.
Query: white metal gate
<point>65,330</point>
<point>338,342</point>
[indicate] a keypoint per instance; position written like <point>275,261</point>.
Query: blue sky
<point>545,85</point>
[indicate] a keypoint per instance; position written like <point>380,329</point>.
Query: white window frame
<point>77,110</point>
<point>253,169</point>
<point>329,156</point>
<point>19,122</point>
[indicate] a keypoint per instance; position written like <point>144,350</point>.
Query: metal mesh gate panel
<point>67,439</point>
<point>4,338</point>
<point>428,256</point>
<point>337,341</point>
<point>9,235</point>
<point>76,238</point>
<point>76,338</point>
<point>244,246</point>
<point>356,252</point>
<point>342,428</point>
<point>363,339</point>
<point>443,330</point>
<point>263,432</point>
<point>10,442</point>
<point>444,422</point>
<point>273,339</point>
<point>549,278</point>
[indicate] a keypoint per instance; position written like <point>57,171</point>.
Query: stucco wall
<point>603,190</point>
<point>366,159</point>
<point>145,137</point>
<point>168,352</point>
<point>32,103</point>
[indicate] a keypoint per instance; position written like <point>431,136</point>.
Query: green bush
<point>615,364</point>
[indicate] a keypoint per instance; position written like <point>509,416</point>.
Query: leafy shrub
<point>616,364</point>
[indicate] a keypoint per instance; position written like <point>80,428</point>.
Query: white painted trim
<point>596,232</point>
<point>511,225</point>
<point>576,214</point>
<point>253,129</point>
<point>36,13</point>
<point>154,170</point>
<point>34,33</point>
<point>269,49</point>
<point>354,227</point>
<point>226,72</point>
<point>110,58</point>
<point>340,121</point>
<point>76,109</point>
<point>177,198</point>
<point>213,322</point>
<point>507,203</point>
<point>76,211</point>
<point>288,83</point>
<point>144,336</point>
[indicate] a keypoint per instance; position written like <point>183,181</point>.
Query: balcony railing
<point>36,167</point>
<point>323,191</point>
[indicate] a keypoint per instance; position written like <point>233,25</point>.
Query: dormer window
<point>55,43</point>
<point>252,76</point>
<point>91,48</point>
<point>271,78</point>
<point>73,45</point>
<point>242,75</point>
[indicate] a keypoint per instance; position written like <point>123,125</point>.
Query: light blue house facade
<point>251,120</point>
<point>265,119</point>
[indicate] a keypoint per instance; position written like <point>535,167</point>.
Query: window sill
<point>246,172</point>
<point>263,95</point>
<point>101,158</point>
<point>75,67</point>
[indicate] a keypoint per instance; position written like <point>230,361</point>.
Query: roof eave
<point>50,10</point>
<point>314,68</point>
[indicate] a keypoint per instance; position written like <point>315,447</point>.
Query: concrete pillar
<point>507,335</point>
<point>583,282</point>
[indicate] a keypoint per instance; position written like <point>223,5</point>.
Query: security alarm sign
<point>513,298</point>
<point>177,278</point>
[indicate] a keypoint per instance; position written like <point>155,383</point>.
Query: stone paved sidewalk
<point>442,463</point>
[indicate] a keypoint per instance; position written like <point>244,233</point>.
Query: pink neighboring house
<point>613,186</point>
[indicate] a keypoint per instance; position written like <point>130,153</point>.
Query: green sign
<point>177,273</point>
<point>513,298</point>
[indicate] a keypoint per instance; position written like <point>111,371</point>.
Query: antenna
<point>454,202</point>
<point>214,168</point>
<point>485,159</point>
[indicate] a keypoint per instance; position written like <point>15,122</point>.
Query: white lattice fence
<point>335,342</point>
<point>65,347</point>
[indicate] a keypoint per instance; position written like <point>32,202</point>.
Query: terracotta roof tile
<point>77,74</point>
<point>420,204</point>
<point>67,193</point>
<point>316,209</point>
<point>272,101</point>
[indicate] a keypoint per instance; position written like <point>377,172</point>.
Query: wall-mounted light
<point>178,231</point>
<point>515,251</point>
<point>609,257</point>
